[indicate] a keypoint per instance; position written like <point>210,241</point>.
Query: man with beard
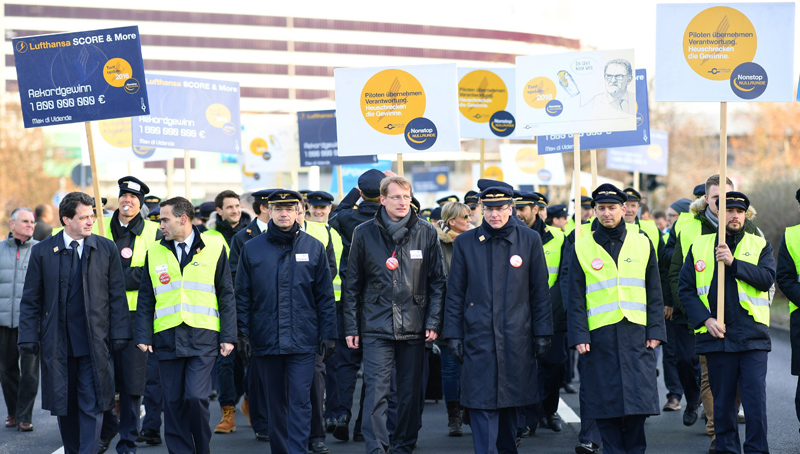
<point>230,219</point>
<point>736,351</point>
<point>133,235</point>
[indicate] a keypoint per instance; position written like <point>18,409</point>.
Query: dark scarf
<point>396,229</point>
<point>539,226</point>
<point>502,232</point>
<point>280,237</point>
<point>118,231</point>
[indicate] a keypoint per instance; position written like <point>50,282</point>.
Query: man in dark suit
<point>74,304</point>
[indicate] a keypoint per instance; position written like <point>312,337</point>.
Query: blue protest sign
<point>351,172</point>
<point>650,159</point>
<point>431,179</point>
<point>82,76</point>
<point>319,146</point>
<point>563,143</point>
<point>191,114</point>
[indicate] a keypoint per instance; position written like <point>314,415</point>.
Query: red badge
<point>164,278</point>
<point>126,253</point>
<point>392,262</point>
<point>516,261</point>
<point>699,265</point>
<point>597,264</point>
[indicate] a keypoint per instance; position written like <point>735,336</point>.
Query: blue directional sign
<point>431,179</point>
<point>190,114</point>
<point>590,141</point>
<point>318,143</point>
<point>82,76</point>
<point>650,159</point>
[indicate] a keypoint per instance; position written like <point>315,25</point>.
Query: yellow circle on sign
<point>390,99</point>
<point>538,92</point>
<point>529,161</point>
<point>116,132</point>
<point>654,151</point>
<point>218,115</point>
<point>246,173</point>
<point>441,179</point>
<point>481,93</point>
<point>493,173</point>
<point>116,71</point>
<point>258,147</point>
<point>718,40</point>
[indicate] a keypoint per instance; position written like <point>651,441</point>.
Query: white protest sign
<point>725,52</point>
<point>486,102</point>
<point>575,92</point>
<point>410,109</point>
<point>522,164</point>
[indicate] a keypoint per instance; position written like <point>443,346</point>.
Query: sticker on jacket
<point>416,254</point>
<point>301,257</point>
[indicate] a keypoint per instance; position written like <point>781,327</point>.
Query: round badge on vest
<point>164,278</point>
<point>699,265</point>
<point>126,253</point>
<point>516,261</point>
<point>597,264</point>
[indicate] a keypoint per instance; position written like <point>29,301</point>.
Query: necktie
<point>76,259</point>
<point>184,255</point>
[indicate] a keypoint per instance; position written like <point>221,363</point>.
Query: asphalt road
<point>665,433</point>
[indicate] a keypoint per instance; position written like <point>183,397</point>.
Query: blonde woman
<point>455,220</point>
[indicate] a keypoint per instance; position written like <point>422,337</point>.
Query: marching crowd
<point>278,313</point>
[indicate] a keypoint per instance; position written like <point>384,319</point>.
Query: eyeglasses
<point>397,198</point>
<point>617,77</point>
<point>465,217</point>
<point>497,209</point>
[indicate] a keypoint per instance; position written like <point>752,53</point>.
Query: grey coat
<point>12,278</point>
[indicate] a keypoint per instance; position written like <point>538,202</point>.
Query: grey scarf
<point>397,230</point>
<point>712,217</point>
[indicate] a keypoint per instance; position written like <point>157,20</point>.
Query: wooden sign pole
<point>723,188</point>
<point>98,200</point>
<point>636,180</point>
<point>170,176</point>
<point>593,154</point>
<point>187,172</point>
<point>400,164</point>
<point>483,157</point>
<point>339,177</point>
<point>576,180</point>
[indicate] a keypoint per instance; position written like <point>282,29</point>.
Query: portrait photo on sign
<point>576,92</point>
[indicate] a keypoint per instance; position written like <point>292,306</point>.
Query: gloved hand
<point>542,345</point>
<point>117,345</point>
<point>29,347</point>
<point>456,347</point>
<point>243,346</point>
<point>326,348</point>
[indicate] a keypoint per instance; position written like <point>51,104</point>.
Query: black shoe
<point>358,436</point>
<point>554,422</point>
<point>149,436</point>
<point>214,394</point>
<point>105,443</point>
<point>262,436</point>
<point>690,414</point>
<point>519,442</point>
<point>570,389</point>
<point>526,432</point>
<point>330,425</point>
<point>587,448</point>
<point>318,448</point>
<point>342,431</point>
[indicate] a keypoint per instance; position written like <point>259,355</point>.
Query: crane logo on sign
<point>481,93</point>
<point>391,99</point>
<point>718,40</point>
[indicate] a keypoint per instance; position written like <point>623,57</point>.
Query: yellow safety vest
<point>189,296</point>
<point>754,301</point>
<point>616,290</point>
<point>552,254</point>
<point>216,233</point>
<point>651,230</point>
<point>569,227</point>
<point>682,219</point>
<point>690,231</point>
<point>319,230</point>
<point>792,238</point>
<point>140,246</point>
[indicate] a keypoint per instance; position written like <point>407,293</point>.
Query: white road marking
<point>566,413</point>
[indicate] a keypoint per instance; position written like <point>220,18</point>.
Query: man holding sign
<point>736,352</point>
